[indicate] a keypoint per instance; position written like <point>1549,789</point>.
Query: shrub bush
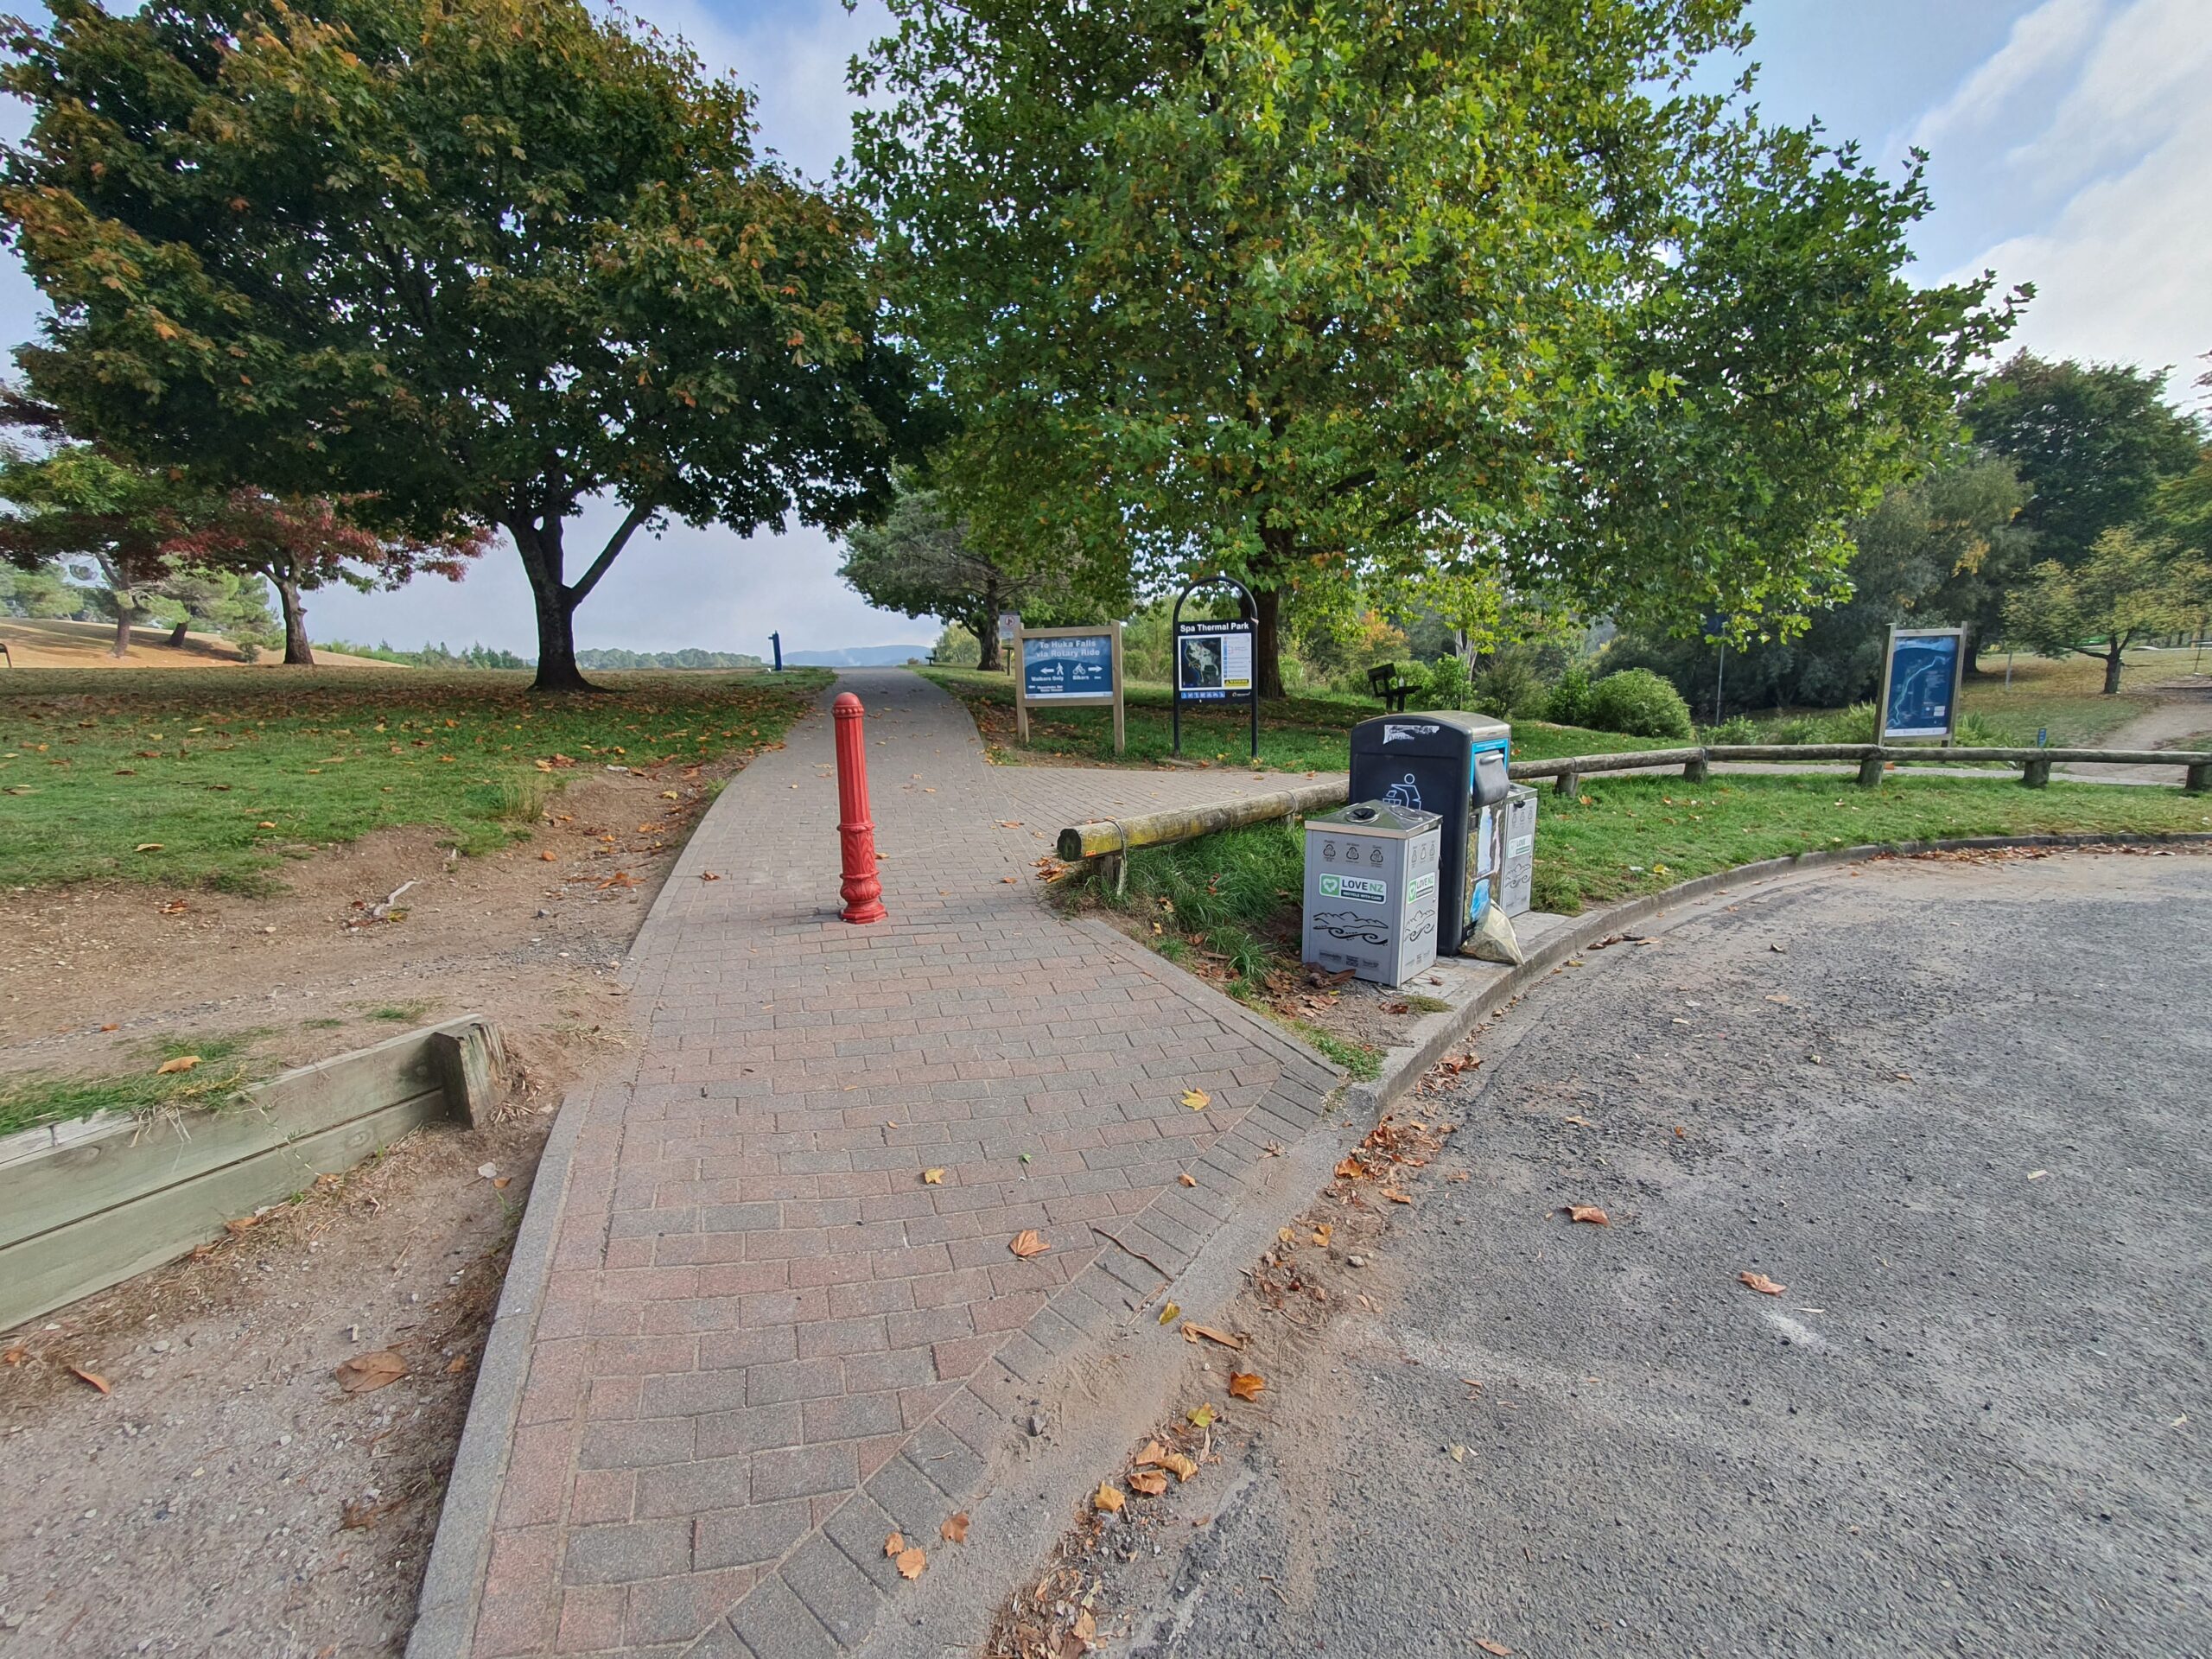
<point>1638,704</point>
<point>1569,702</point>
<point>1450,685</point>
<point>1510,686</point>
<point>1737,728</point>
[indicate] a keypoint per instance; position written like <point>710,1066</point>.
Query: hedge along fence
<point>1110,838</point>
<point>87,1205</point>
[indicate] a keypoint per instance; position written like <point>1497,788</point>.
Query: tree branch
<point>615,543</point>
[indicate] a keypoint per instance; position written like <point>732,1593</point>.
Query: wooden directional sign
<point>1068,668</point>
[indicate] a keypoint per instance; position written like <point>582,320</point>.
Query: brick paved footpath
<point>764,1340</point>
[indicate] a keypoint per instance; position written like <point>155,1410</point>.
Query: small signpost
<point>1214,660</point>
<point>1067,668</point>
<point>1009,625</point>
<point>1920,684</point>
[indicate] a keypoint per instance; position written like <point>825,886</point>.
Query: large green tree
<point>1305,292</point>
<point>2130,587</point>
<point>921,560</point>
<point>467,262</point>
<point>2094,442</point>
<point>80,507</point>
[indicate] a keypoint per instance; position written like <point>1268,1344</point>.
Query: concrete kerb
<point>453,1584</point>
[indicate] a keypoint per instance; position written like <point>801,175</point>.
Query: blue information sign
<point>1920,693</point>
<point>1078,665</point>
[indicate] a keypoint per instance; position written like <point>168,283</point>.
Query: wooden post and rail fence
<point>1110,838</point>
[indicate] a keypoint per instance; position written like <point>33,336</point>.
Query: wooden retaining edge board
<point>106,1199</point>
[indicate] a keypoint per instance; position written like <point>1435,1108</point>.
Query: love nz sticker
<point>1363,889</point>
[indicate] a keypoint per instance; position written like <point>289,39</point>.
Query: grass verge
<point>1227,905</point>
<point>1296,733</point>
<point>192,777</point>
<point>220,1071</point>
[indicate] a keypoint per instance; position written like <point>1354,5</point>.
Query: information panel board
<point>1920,684</point>
<point>1213,661</point>
<point>1068,668</point>
<point>1077,667</point>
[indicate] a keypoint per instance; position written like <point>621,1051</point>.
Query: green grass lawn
<point>184,777</point>
<point>1229,903</point>
<point>221,1068</point>
<point>1296,733</point>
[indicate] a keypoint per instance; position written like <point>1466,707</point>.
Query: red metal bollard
<point>863,893</point>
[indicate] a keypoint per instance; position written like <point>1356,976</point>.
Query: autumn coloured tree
<point>299,546</point>
<point>1308,293</point>
<point>456,262</point>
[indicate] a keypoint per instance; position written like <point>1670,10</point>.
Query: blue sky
<point>2071,146</point>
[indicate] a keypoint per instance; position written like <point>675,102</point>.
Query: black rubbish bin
<point>1452,764</point>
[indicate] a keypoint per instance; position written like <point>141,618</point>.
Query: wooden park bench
<point>1382,681</point>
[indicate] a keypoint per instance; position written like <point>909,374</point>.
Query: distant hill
<point>691,658</point>
<point>858,656</point>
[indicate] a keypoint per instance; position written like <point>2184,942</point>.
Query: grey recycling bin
<point>1520,849</point>
<point>1447,762</point>
<point>1370,891</point>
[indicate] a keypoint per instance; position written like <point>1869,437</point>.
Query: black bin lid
<point>1441,734</point>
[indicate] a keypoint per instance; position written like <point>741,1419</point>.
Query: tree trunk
<point>541,553</point>
<point>298,653</point>
<point>122,615</point>
<point>1274,564</point>
<point>2113,651</point>
<point>177,633</point>
<point>987,636</point>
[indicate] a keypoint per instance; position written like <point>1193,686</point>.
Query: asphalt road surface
<point>1959,1109</point>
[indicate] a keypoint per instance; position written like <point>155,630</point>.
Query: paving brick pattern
<point>765,1339</point>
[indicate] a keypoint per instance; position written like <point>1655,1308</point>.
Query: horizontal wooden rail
<point>1102,837</point>
<point>1110,837</point>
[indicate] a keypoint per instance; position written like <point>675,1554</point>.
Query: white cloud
<point>2122,259</point>
<point>2043,40</point>
<point>2149,67</point>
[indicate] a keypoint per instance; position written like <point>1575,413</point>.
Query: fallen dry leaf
<point>910,1562</point>
<point>1351,1169</point>
<point>457,1364</point>
<point>1187,1180</point>
<point>365,1373</point>
<point>1395,1196</point>
<point>955,1529</point>
<point>1761,1283</point>
<point>1246,1385</point>
<point>148,847</point>
<point>1153,1453</point>
<point>709,875</point>
<point>1321,1232</point>
<point>1199,1416</point>
<point>181,1063</point>
<point>1192,1333</point>
<point>549,858</point>
<point>93,1378</point>
<point>1107,1499</point>
<point>1028,1242</point>
<point>933,1177</point>
<point>1589,1212</point>
<point>1497,1647</point>
<point>1168,1313</point>
<point>894,1544</point>
<point>14,1356</point>
<point>1149,1482</point>
<point>242,1224</point>
<point>1184,1467</point>
<point>1197,1099</point>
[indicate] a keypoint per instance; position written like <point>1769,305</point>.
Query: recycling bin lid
<point>1376,818</point>
<point>1426,731</point>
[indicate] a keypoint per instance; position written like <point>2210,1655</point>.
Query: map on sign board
<point>1924,679</point>
<point>1079,665</point>
<point>1213,660</point>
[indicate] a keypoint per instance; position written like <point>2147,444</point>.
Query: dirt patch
<point>44,644</point>
<point>229,1496</point>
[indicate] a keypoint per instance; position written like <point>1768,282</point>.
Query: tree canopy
<point>1298,291</point>
<point>2131,585</point>
<point>468,262</point>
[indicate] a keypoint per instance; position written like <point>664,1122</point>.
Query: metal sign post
<point>1919,685</point>
<point>1068,668</point>
<point>1215,661</point>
